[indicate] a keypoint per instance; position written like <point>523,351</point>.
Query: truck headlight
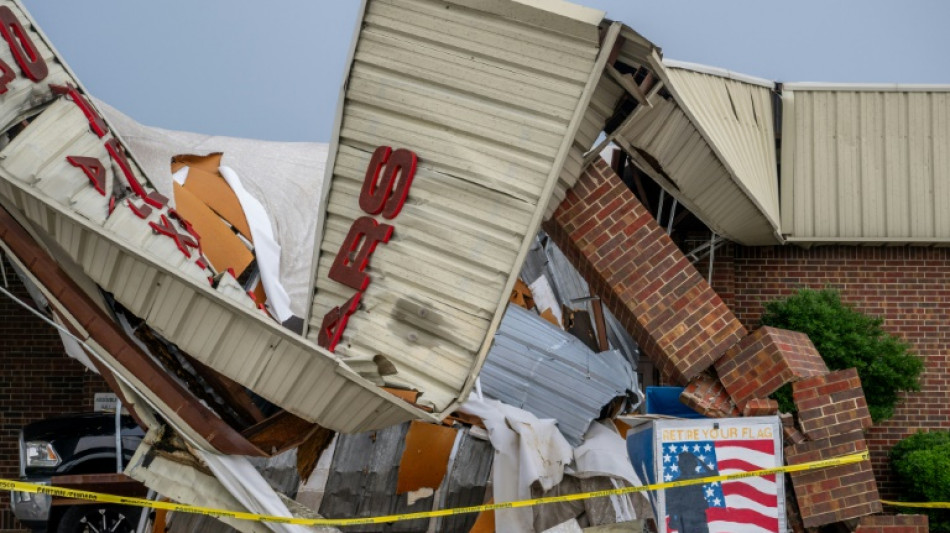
<point>40,453</point>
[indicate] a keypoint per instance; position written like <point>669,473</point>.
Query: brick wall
<point>37,381</point>
<point>908,286</point>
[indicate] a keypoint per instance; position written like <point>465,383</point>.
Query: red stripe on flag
<point>741,516</point>
<point>738,488</point>
<point>764,446</point>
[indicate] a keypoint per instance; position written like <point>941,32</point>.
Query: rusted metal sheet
<point>68,174</point>
<point>866,164</point>
<point>489,97</point>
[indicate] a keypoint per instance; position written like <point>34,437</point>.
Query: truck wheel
<point>99,519</point>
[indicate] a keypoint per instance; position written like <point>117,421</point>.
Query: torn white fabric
<point>247,485</point>
<point>527,450</point>
<point>571,526</point>
<point>604,453</point>
<point>286,177</point>
<point>266,248</point>
<point>544,298</point>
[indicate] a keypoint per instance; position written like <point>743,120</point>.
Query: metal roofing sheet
<point>866,164</point>
<point>708,140</point>
<point>538,367</point>
<point>489,96</point>
<point>736,116</point>
<point>152,273</point>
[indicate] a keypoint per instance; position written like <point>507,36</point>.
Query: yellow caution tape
<point>926,505</point>
<point>223,513</point>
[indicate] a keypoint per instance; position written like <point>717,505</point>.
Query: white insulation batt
<point>285,177</point>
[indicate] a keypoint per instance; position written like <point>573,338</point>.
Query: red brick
<point>683,331</point>
<point>831,404</point>
<point>760,407</point>
<point>765,360</point>
<point>850,489</point>
<point>706,396</point>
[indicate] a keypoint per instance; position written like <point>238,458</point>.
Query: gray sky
<point>272,70</point>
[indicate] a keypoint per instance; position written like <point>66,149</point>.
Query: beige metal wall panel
<point>149,274</point>
<point>737,118</point>
<point>602,105</point>
<point>488,95</point>
<point>866,164</point>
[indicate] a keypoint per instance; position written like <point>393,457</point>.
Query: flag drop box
<point>665,450</point>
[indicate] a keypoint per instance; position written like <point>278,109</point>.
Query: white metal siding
<point>485,102</point>
<point>866,165</point>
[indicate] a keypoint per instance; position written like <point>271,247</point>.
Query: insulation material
<point>218,243</point>
<point>246,485</point>
<point>425,458</point>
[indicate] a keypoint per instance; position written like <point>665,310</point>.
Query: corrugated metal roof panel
<point>737,118</point>
<point>866,164</point>
<point>550,373</point>
<point>488,94</point>
<point>666,145</point>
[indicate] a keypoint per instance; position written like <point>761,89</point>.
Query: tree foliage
<point>846,338</point>
<point>922,465</point>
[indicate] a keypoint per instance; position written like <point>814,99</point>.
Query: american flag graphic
<point>748,505</point>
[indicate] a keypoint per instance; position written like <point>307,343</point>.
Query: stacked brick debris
<point>683,326</point>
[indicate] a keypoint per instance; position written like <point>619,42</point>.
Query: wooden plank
<point>218,243</point>
<point>211,189</point>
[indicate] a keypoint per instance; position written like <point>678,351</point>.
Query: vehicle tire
<point>99,519</point>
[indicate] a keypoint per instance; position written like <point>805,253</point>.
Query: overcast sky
<point>272,70</point>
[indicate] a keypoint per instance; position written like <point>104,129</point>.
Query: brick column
<point>644,279</point>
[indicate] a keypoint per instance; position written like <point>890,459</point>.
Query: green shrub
<point>922,465</point>
<point>846,338</point>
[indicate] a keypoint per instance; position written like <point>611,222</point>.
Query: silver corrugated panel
<point>736,118</point>
<point>866,164</point>
<point>489,96</point>
<point>550,373</point>
<point>148,274</point>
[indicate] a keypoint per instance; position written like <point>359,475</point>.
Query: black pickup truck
<point>78,451</point>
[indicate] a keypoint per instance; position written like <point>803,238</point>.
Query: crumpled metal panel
<point>489,96</point>
<point>535,366</point>
<point>155,275</point>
